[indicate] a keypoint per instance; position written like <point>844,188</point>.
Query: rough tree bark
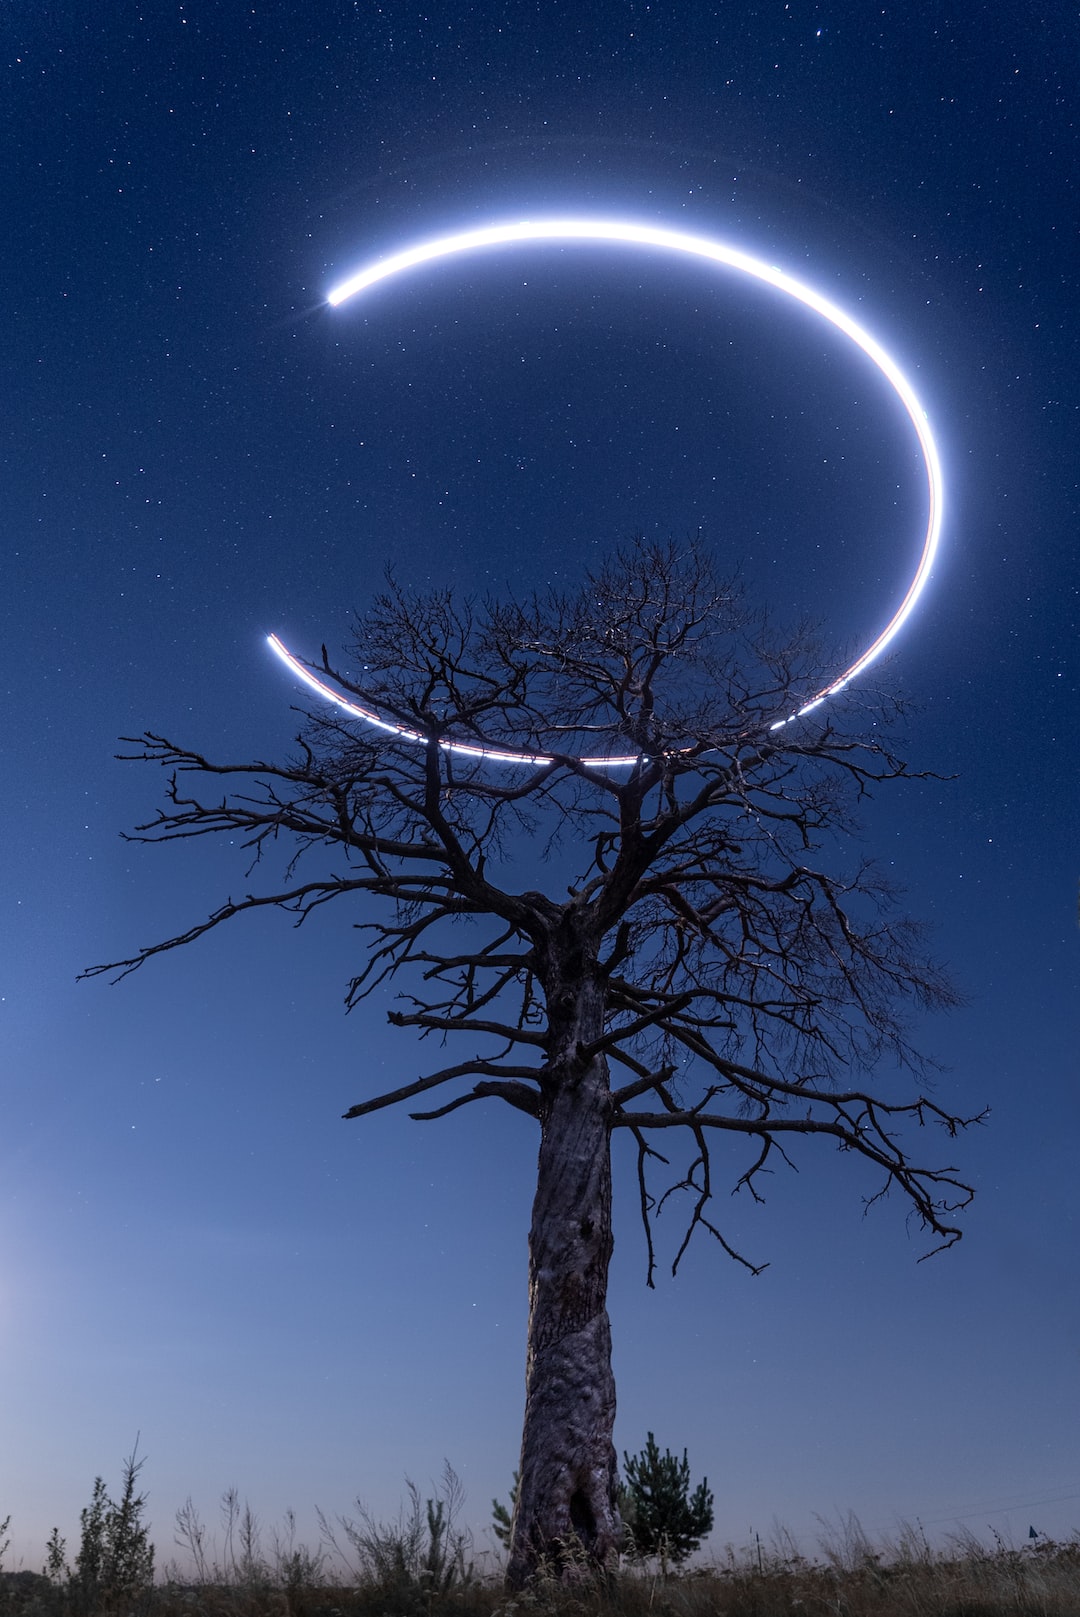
<point>566,1501</point>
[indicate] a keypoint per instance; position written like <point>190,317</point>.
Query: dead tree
<point>712,970</point>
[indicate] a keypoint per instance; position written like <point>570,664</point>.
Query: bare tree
<point>703,951</point>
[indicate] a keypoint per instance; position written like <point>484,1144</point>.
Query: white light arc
<point>634,234</point>
<point>466,749</point>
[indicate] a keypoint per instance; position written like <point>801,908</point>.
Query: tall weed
<point>422,1556</point>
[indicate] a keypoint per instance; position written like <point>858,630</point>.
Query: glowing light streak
<point>634,234</point>
<point>369,716</point>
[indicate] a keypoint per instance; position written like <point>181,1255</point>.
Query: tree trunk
<point>566,1516</point>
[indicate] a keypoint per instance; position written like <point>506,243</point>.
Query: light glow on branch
<point>634,234</point>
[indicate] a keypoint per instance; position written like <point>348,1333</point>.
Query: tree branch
<point>463,1069</point>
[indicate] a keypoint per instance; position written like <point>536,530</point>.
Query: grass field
<point>424,1564</point>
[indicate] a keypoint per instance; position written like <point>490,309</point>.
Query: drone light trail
<point>630,233</point>
<point>464,748</point>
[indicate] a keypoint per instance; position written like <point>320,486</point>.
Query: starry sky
<point>196,451</point>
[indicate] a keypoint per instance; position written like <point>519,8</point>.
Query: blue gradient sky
<point>192,1245</point>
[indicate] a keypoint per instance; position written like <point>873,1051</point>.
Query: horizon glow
<point>631,233</point>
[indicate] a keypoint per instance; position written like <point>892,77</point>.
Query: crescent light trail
<point>633,234</point>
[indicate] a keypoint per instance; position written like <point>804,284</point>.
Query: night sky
<point>196,451</point>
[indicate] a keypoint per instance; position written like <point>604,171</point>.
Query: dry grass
<point>421,1566</point>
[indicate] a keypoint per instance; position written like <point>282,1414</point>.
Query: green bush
<point>115,1563</point>
<point>662,1517</point>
